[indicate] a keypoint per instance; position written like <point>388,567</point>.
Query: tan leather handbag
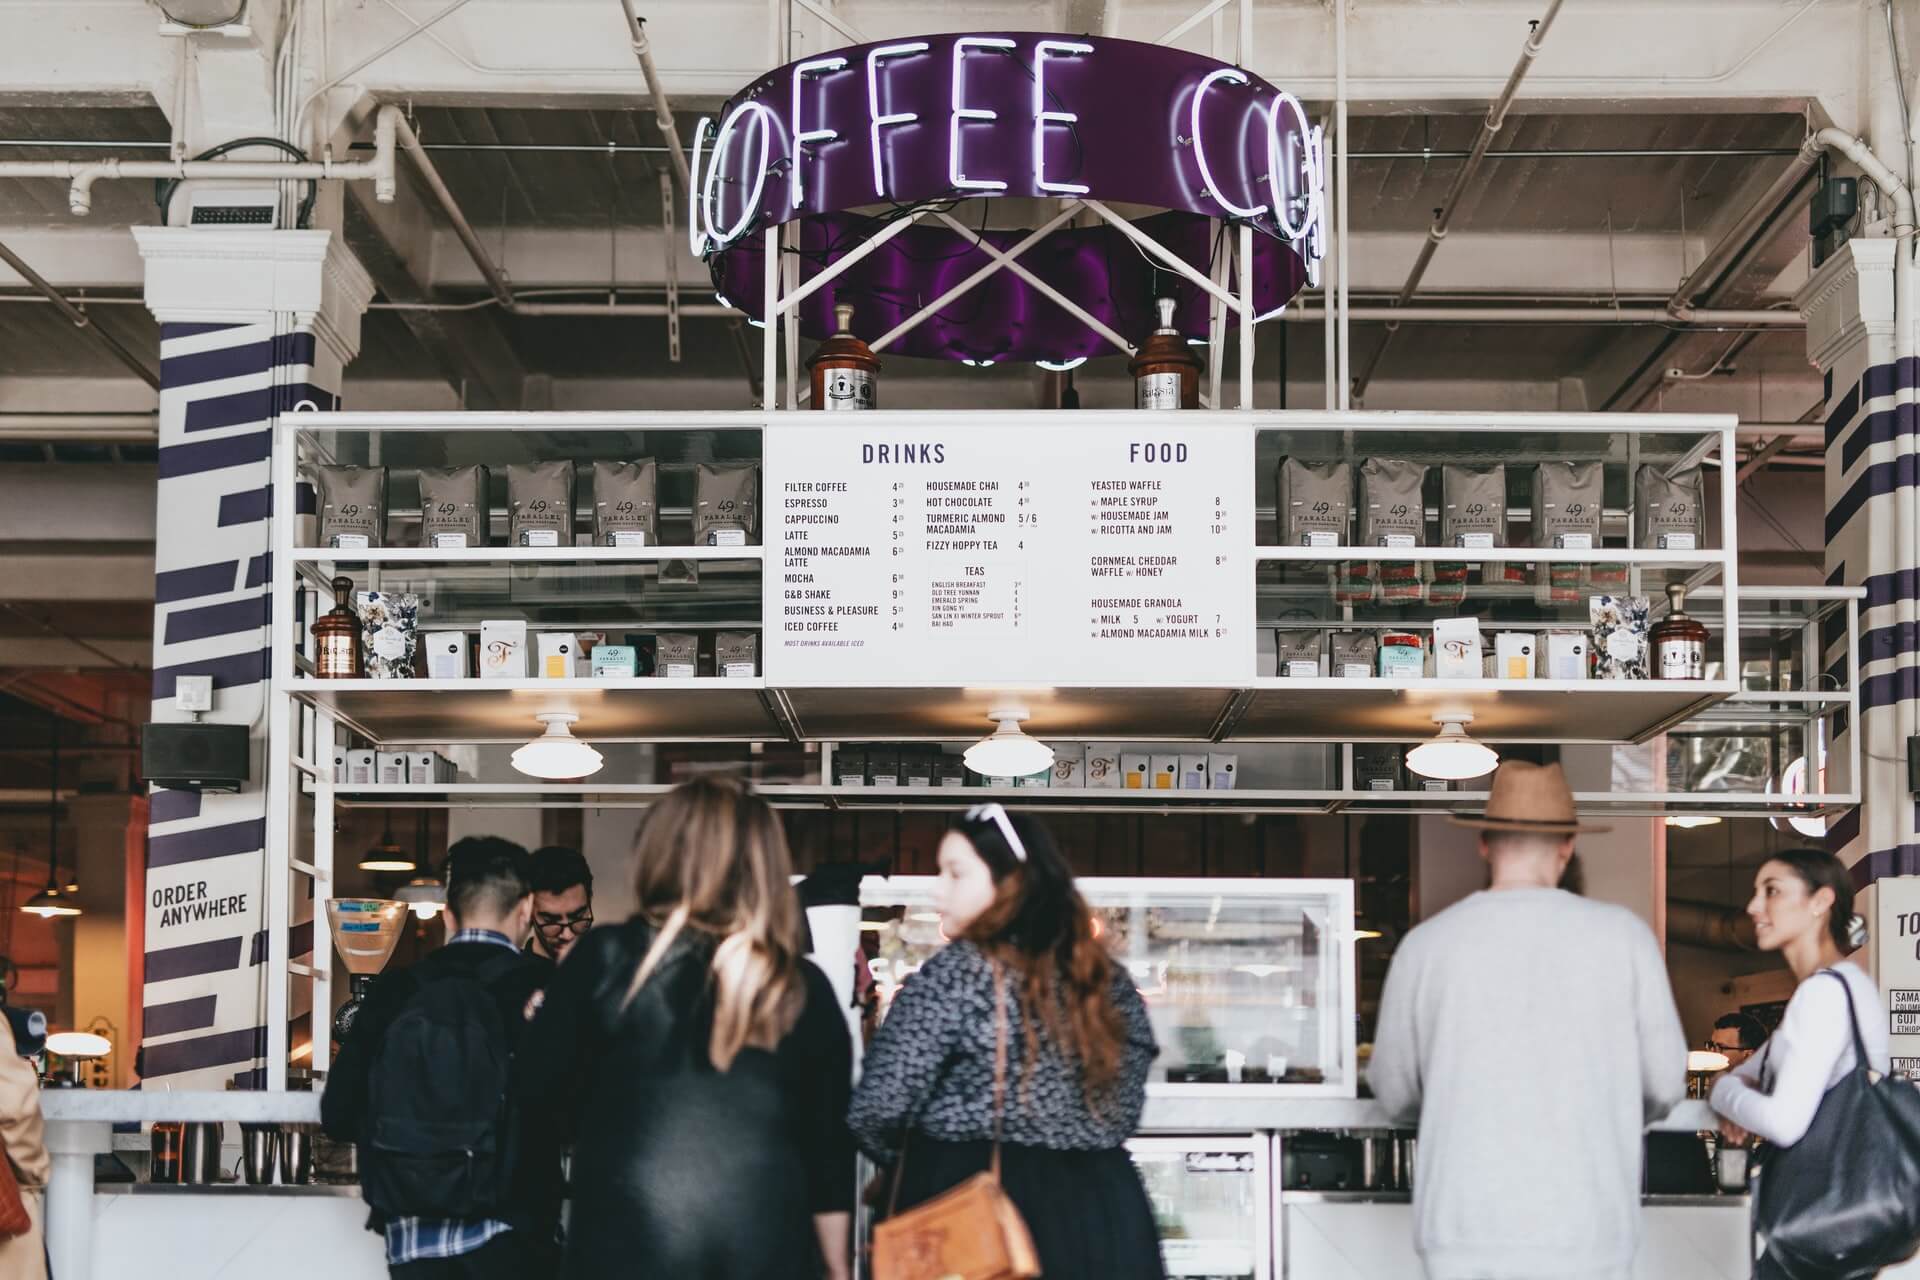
<point>972,1232</point>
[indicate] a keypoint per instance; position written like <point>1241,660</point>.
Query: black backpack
<point>441,1134</point>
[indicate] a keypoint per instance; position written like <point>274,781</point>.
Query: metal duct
<point>1708,924</point>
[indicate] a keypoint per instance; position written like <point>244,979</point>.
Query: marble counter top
<point>126,1106</point>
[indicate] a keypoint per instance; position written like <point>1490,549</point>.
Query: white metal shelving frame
<point>306,715</point>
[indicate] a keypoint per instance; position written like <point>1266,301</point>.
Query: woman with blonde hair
<point>701,1061</point>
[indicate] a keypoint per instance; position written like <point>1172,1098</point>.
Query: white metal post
<point>1246,314</point>
<point>280,783</point>
<point>325,735</point>
<point>1341,148</point>
<point>1217,312</point>
<point>1329,309</point>
<point>790,336</point>
<point>1730,564</point>
<point>769,317</point>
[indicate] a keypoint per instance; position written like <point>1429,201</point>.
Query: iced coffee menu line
<point>995,553</point>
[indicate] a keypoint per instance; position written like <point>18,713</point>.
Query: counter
<point>318,1232</point>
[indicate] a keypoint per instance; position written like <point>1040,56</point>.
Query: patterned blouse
<point>931,1067</point>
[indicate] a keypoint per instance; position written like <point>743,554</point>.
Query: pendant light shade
<point>53,901</point>
<point>387,855</point>
<point>1007,752</point>
<point>1452,755</point>
<point>1687,821</point>
<point>557,754</point>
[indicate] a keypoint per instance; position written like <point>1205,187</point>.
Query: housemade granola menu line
<point>971,553</point>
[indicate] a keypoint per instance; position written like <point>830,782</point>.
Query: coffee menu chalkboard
<point>1059,554</point>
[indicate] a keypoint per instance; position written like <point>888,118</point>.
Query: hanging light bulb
<point>1451,754</point>
<point>53,901</point>
<point>425,896</point>
<point>557,754</point>
<point>1688,821</point>
<point>1007,752</point>
<point>387,855</point>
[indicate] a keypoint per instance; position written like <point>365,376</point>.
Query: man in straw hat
<point>1531,1035</point>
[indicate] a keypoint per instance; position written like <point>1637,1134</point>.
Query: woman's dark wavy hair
<point>1818,869</point>
<point>1040,927</point>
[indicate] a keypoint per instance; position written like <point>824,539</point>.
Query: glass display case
<point>1249,982</point>
<point>1210,1200</point>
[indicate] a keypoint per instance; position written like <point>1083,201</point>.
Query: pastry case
<point>1249,982</point>
<point>1211,1199</point>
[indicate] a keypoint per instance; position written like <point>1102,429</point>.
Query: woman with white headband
<point>1025,975</point>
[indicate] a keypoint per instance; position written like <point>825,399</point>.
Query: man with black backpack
<point>462,1187</point>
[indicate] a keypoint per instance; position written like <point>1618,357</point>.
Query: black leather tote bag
<point>1844,1201</point>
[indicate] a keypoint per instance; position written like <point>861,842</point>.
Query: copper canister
<point>846,373</point>
<point>1166,374</point>
<point>336,637</point>
<point>1679,640</point>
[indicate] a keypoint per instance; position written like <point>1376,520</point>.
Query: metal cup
<point>259,1153</point>
<point>296,1155</point>
<point>1730,1167</point>
<point>200,1153</point>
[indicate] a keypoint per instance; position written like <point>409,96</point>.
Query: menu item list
<point>995,553</point>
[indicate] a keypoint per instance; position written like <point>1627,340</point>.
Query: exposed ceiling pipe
<point>1396,313</point>
<point>1746,234</point>
<point>79,318</point>
<point>82,174</point>
<point>657,94</point>
<point>1489,128</point>
<point>81,428</point>
<point>1708,924</point>
<point>423,164</point>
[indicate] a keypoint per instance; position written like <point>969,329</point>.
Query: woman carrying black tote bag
<point>1838,1193</point>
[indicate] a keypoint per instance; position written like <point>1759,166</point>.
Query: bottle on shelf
<point>1679,640</point>
<point>846,373</point>
<point>1166,373</point>
<point>336,637</point>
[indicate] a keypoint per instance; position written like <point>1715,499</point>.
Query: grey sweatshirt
<point>1531,1035</point>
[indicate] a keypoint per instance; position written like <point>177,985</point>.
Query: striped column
<point>1873,469</point>
<point>253,324</point>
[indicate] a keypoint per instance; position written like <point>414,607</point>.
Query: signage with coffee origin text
<point>1895,945</point>
<point>985,553</point>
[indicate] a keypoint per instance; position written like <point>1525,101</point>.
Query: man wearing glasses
<point>562,901</point>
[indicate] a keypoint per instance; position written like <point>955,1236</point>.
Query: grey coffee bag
<point>1393,513</point>
<point>454,510</point>
<point>1298,653</point>
<point>353,506</point>
<point>1667,513</point>
<point>736,654</point>
<point>726,504</point>
<point>626,507</point>
<point>1316,503</point>
<point>676,654</point>
<point>1567,505</point>
<point>1354,655</point>
<point>540,504</point>
<point>1473,507</point>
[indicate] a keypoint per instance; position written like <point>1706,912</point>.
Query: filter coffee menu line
<point>999,553</point>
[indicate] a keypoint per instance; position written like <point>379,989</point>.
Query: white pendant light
<point>1452,755</point>
<point>1007,752</point>
<point>425,896</point>
<point>557,754</point>
<point>1688,821</point>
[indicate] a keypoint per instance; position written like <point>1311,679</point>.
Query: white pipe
<point>662,108</point>
<point>1700,319</point>
<point>1343,384</point>
<point>82,174</point>
<point>496,280</point>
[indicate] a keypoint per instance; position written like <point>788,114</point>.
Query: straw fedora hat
<point>1529,797</point>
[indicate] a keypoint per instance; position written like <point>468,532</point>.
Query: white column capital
<point>1849,298</point>
<point>224,275</point>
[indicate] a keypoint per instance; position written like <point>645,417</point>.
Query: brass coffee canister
<point>336,637</point>
<point>1166,374</point>
<point>846,373</point>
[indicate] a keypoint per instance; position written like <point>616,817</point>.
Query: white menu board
<point>973,553</point>
<point>1895,939</point>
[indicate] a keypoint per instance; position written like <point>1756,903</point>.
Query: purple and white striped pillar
<point>1873,513</point>
<point>252,324</point>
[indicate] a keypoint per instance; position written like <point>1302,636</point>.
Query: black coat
<point>345,1105</point>
<point>698,1173</point>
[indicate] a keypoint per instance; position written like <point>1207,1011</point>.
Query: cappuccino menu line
<point>1000,553</point>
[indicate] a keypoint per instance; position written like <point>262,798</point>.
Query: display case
<point>1249,983</point>
<point>1211,1199</point>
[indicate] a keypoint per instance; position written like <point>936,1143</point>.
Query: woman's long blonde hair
<point>711,857</point>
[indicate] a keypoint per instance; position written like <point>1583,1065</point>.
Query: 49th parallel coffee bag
<point>540,504</point>
<point>726,505</point>
<point>1393,513</point>
<point>1316,503</point>
<point>626,509</point>
<point>454,509</point>
<point>353,506</point>
<point>1473,517</point>
<point>1667,511</point>
<point>1568,503</point>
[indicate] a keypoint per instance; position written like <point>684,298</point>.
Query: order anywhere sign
<point>1897,944</point>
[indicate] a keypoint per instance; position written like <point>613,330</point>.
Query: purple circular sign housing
<point>876,129</point>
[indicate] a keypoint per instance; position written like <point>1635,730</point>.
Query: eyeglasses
<point>577,922</point>
<point>997,814</point>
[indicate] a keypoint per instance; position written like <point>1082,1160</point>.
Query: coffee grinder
<point>365,931</point>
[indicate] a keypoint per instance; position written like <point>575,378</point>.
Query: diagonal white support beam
<point>1165,255</point>
<point>1072,308</point>
<point>832,273</point>
<point>1200,16</point>
<point>1034,237</point>
<point>846,29</point>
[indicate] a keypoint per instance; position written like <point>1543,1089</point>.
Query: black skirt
<point>1087,1210</point>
